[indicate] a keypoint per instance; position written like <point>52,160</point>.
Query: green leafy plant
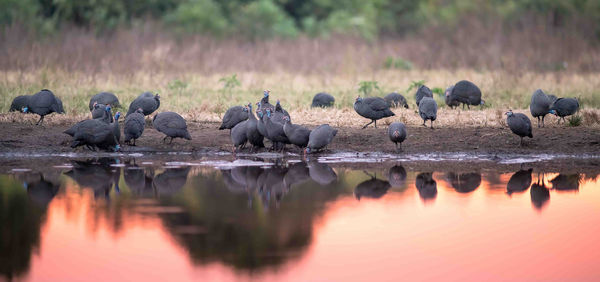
<point>366,87</point>
<point>437,90</point>
<point>397,63</point>
<point>229,83</point>
<point>415,84</point>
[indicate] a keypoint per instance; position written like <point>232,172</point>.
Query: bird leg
<point>538,118</point>
<point>165,139</point>
<point>468,107</point>
<point>368,124</point>
<point>543,117</point>
<point>375,123</point>
<point>431,124</point>
<point>424,123</point>
<point>40,121</point>
<point>171,141</point>
<point>521,142</point>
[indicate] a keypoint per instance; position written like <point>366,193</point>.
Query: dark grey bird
<point>44,103</point>
<point>264,102</point>
<point>428,110</point>
<point>552,98</point>
<point>260,125</point>
<point>396,100</point>
<point>172,125</point>
<point>426,186</point>
<point>134,126</point>
<point>238,136</point>
<point>233,116</point>
<point>540,106</point>
<point>373,188</point>
<point>397,176</point>
<point>148,104</point>
<point>566,182</point>
<point>422,92</point>
<point>99,112</point>
<point>104,118</point>
<point>519,124</point>
<point>450,99</point>
<point>322,100</point>
<point>171,180</point>
<point>275,131</point>
<point>255,138</point>
<point>279,109</point>
<point>464,182</point>
<point>563,107</point>
<point>467,93</point>
<point>319,138</point>
<point>519,182</point>
<point>19,103</point>
<point>321,173</point>
<point>539,194</point>
<point>296,134</point>
<point>95,133</point>
<point>116,129</point>
<point>397,133</point>
<point>373,108</point>
<point>146,94</point>
<point>105,98</point>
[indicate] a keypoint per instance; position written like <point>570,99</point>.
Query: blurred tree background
<point>262,19</point>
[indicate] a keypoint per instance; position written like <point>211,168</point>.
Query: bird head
<point>117,148</point>
<point>396,133</point>
<point>95,104</point>
<point>286,118</point>
<point>157,97</point>
<point>266,93</point>
<point>278,103</point>
<point>108,108</point>
<point>482,102</point>
<point>117,115</point>
<point>250,106</point>
<point>307,151</point>
<point>358,99</point>
<point>509,113</point>
<point>552,112</point>
<point>25,109</point>
<point>245,109</point>
<point>268,113</point>
<point>139,110</point>
<point>448,90</point>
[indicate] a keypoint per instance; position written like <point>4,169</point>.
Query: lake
<point>268,219</point>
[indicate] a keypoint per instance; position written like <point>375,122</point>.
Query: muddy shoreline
<point>457,149</point>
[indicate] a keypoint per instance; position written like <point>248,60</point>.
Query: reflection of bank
<point>22,212</point>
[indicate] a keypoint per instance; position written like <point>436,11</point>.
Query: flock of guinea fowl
<point>273,122</point>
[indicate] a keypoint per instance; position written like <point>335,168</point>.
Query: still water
<point>122,220</point>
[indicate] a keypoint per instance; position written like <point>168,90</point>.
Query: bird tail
<point>335,132</point>
<point>69,131</point>
<point>222,127</point>
<point>530,135</point>
<point>75,144</point>
<point>187,136</point>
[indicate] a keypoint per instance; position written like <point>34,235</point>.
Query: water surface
<point>113,219</point>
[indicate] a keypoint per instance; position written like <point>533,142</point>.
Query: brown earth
<point>19,137</point>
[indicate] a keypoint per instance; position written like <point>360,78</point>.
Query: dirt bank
<point>20,137</point>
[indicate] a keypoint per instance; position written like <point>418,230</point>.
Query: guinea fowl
<point>373,108</point>
<point>519,124</point>
<point>396,100</point>
<point>296,134</point>
<point>320,137</point>
<point>233,116</point>
<point>467,93</point>
<point>95,133</point>
<point>255,138</point>
<point>134,126</point>
<point>275,131</point>
<point>322,100</point>
<point>147,104</point>
<point>43,103</point>
<point>279,109</point>
<point>519,181</point>
<point>397,133</point>
<point>563,107</point>
<point>105,98</point>
<point>116,129</point>
<point>422,92</point>
<point>449,99</point>
<point>428,110</point>
<point>99,112</point>
<point>264,102</point>
<point>172,125</point>
<point>238,134</point>
<point>19,102</point>
<point>260,125</point>
<point>104,118</point>
<point>540,106</point>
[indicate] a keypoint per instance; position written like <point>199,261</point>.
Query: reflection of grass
<point>197,95</point>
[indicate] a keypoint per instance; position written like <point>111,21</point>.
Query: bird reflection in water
<point>566,182</point>
<point>464,182</point>
<point>519,181</point>
<point>98,175</point>
<point>540,195</point>
<point>426,186</point>
<point>373,188</point>
<point>397,177</point>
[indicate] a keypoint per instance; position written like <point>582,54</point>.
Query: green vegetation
<point>288,18</point>
<point>367,87</point>
<point>575,120</point>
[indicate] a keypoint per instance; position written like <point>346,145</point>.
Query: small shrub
<point>415,85</point>
<point>397,63</point>
<point>366,87</point>
<point>575,120</point>
<point>438,91</point>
